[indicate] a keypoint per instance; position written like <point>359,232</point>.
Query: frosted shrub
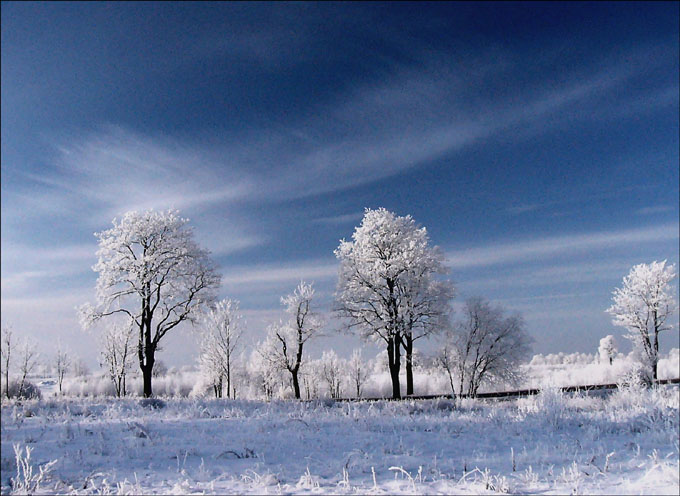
<point>28,391</point>
<point>634,397</point>
<point>635,377</point>
<point>26,482</point>
<point>551,404</point>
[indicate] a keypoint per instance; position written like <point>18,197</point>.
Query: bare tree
<point>382,270</point>
<point>117,354</point>
<point>62,363</point>
<point>643,306</point>
<point>7,344</point>
<point>28,359</point>
<point>159,368</point>
<point>447,359</point>
<point>222,332</point>
<point>358,372</point>
<point>488,346</point>
<point>80,368</point>
<point>151,270</point>
<point>301,326</point>
<point>332,367</point>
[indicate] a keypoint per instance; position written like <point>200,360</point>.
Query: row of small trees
<point>23,355</point>
<point>391,289</point>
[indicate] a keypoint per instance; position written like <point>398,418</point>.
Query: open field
<point>550,443</point>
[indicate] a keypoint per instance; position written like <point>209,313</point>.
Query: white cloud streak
<point>358,138</point>
<point>566,244</point>
<point>339,219</point>
<point>276,274</point>
<point>657,209</point>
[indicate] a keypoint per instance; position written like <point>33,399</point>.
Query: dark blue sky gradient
<point>498,126</point>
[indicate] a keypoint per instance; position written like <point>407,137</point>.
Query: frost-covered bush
<point>176,383</point>
<point>90,385</point>
<point>26,481</point>
<point>585,369</point>
<point>550,405</point>
<point>28,391</point>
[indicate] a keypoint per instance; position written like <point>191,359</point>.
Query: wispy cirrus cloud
<point>254,275</point>
<point>357,138</point>
<point>656,209</point>
<point>339,219</point>
<point>118,170</point>
<point>520,251</point>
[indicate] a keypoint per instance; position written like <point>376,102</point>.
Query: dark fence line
<point>509,394</point>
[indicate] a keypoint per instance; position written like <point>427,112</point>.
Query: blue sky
<point>538,143</point>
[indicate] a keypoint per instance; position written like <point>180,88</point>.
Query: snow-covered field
<point>624,443</point>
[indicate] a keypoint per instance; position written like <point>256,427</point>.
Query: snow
<point>623,443</point>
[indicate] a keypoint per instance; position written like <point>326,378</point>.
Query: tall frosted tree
<point>151,270</point>
<point>386,288</point>
<point>289,337</point>
<point>222,330</point>
<point>643,305</point>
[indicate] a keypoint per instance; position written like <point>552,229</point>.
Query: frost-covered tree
<point>358,372</point>
<point>80,368</point>
<point>117,354</point>
<point>607,349</point>
<point>151,269</point>
<point>332,367</point>
<point>289,337</point>
<point>310,375</point>
<point>159,369</point>
<point>487,345</point>
<point>222,330</point>
<point>386,287</point>
<point>28,359</point>
<point>643,306</point>
<point>6,347</point>
<point>62,363</point>
<point>263,372</point>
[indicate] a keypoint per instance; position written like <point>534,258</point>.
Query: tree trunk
<point>409,364</point>
<point>453,390</point>
<point>147,369</point>
<point>394,359</point>
<point>228,377</point>
<point>296,383</point>
<point>146,373</point>
<point>146,354</point>
<point>655,360</point>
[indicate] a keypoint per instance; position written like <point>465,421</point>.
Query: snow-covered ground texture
<point>624,443</point>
